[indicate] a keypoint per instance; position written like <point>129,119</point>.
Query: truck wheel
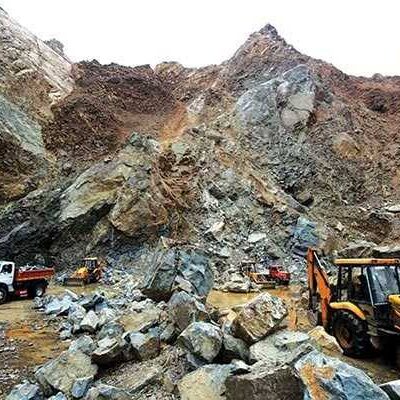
<point>38,290</point>
<point>3,295</point>
<point>351,334</point>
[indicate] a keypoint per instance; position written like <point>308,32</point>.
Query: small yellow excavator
<point>90,271</point>
<point>361,309</point>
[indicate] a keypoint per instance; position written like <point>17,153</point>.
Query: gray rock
<point>106,315</point>
<point>106,392</point>
<point>392,389</point>
<point>145,345</point>
<point>234,348</point>
<point>162,272</point>
<point>195,268</point>
<point>90,301</point>
<point>277,348</point>
<point>168,267</point>
<point>183,309</point>
<point>395,208</point>
<point>90,322</point>
<point>109,351</point>
<point>304,236</point>
<point>84,343</point>
<point>147,375</point>
<point>265,383</point>
<point>81,386</point>
<point>256,237</point>
<point>169,334</point>
<point>58,396</point>
<point>207,382</point>
<point>326,377</point>
<point>25,391</point>
<point>111,329</point>
<point>61,373</point>
<point>59,307</point>
<point>202,339</point>
<point>75,316</point>
<point>237,283</point>
<point>258,318</point>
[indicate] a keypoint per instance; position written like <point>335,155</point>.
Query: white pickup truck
<point>29,281</point>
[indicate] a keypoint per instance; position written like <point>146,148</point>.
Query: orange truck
<point>29,281</point>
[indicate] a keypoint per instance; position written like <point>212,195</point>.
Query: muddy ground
<point>29,339</point>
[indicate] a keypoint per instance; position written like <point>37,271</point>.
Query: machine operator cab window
<point>6,269</point>
<point>368,284</point>
<point>384,281</point>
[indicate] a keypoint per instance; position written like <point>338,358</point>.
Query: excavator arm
<point>320,293</point>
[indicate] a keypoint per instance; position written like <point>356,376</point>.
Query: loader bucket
<point>74,282</point>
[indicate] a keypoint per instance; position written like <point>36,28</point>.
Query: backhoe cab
<point>362,307</point>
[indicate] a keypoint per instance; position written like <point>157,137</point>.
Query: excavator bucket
<point>78,278</point>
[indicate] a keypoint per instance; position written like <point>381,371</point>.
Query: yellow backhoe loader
<point>362,308</point>
<point>90,271</point>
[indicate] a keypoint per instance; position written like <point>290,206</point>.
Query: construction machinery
<point>266,275</point>
<point>28,281</point>
<point>361,308</point>
<point>90,271</point>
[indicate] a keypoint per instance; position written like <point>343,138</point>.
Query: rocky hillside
<point>265,154</point>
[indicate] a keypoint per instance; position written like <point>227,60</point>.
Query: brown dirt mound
<point>108,103</point>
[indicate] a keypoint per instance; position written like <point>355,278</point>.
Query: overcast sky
<point>359,37</point>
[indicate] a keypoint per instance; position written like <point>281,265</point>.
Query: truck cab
<point>7,273</point>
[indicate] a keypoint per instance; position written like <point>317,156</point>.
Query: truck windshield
<point>384,282</point>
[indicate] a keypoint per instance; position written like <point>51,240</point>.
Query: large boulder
<point>264,382</point>
<point>183,309</point>
<point>277,348</point>
<point>168,268</point>
<point>61,373</point>
<point>25,391</point>
<point>110,350</point>
<point>330,378</point>
<point>207,382</point>
<point>259,317</point>
<point>162,273</point>
<point>202,339</point>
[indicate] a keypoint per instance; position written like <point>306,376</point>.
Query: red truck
<point>268,275</point>
<point>29,281</point>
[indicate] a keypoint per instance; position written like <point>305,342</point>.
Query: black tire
<point>37,290</point>
<point>351,333</point>
<point>3,295</point>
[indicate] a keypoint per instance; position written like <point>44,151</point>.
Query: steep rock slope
<point>32,78</point>
<point>264,154</point>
